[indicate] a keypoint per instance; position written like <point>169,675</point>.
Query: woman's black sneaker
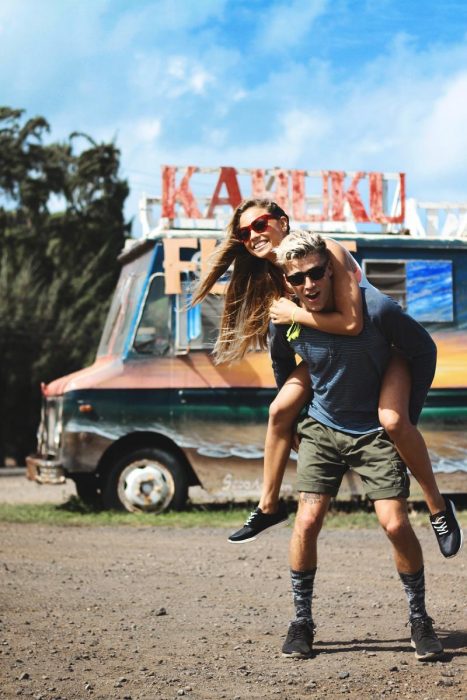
<point>299,641</point>
<point>258,523</point>
<point>424,640</point>
<point>447,530</point>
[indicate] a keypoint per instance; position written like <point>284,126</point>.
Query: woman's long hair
<point>253,285</point>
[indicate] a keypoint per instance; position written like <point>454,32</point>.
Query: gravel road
<point>157,613</point>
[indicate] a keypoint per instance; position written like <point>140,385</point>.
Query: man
<point>342,431</point>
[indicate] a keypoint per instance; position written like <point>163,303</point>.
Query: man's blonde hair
<point>298,244</point>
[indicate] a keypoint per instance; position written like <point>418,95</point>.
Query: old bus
<point>154,420</point>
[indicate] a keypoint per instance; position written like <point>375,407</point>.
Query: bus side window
<point>153,332</point>
<point>211,312</point>
<point>197,326</point>
<point>424,288</point>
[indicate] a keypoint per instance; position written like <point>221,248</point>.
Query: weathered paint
<point>173,265</point>
<point>257,183</point>
<point>197,370</point>
<point>376,200</point>
<point>216,415</point>
<point>298,197</point>
<point>289,193</point>
<point>339,197</point>
<point>227,178</point>
<point>181,194</point>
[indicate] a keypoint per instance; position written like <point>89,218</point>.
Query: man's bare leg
<point>393,516</point>
<point>312,508</point>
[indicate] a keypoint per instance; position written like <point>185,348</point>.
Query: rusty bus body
<point>154,420</point>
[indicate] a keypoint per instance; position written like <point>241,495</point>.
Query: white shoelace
<point>440,525</point>
<point>251,517</point>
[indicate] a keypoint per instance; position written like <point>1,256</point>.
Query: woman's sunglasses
<point>314,273</point>
<point>259,225</point>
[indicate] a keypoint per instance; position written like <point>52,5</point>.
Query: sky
<point>309,84</point>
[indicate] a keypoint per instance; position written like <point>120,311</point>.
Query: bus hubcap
<point>146,486</point>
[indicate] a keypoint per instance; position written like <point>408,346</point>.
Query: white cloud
<point>239,95</point>
<point>176,67</point>
<point>169,77</point>
<point>286,24</point>
<point>386,118</point>
<point>182,15</point>
<point>216,138</point>
<point>441,142</point>
<point>147,130</point>
<point>199,79</point>
<point>189,76</point>
<point>157,20</point>
<point>195,86</point>
<point>302,129</point>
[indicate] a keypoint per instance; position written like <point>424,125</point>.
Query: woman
<point>256,294</point>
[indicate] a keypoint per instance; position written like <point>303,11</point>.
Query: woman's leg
<point>283,413</point>
<point>394,417</point>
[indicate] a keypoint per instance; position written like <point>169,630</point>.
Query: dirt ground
<point>15,488</point>
<point>159,613</point>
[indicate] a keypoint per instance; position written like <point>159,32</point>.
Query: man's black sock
<point>414,586</point>
<point>302,591</point>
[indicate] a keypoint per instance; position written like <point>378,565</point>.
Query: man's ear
<point>284,223</point>
<point>331,271</point>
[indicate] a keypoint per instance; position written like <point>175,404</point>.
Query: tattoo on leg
<point>310,498</point>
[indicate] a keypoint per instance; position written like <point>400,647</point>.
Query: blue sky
<point>310,84</point>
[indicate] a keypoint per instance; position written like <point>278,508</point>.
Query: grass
<point>76,513</point>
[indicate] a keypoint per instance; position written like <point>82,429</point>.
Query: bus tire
<point>147,480</point>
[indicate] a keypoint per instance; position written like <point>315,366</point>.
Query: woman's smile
<point>262,244</point>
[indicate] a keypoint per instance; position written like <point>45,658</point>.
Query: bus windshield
<point>124,306</point>
<point>153,332</point>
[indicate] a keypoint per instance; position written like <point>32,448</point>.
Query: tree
<point>61,229</point>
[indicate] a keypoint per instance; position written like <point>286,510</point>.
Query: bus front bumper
<point>44,471</point>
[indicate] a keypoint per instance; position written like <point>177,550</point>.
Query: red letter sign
<point>170,194</point>
<point>227,177</point>
<point>376,200</point>
<point>298,197</point>
<point>352,196</point>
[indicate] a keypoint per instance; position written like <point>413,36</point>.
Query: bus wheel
<point>148,480</point>
<point>87,488</point>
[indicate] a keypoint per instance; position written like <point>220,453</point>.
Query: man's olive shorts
<point>325,454</point>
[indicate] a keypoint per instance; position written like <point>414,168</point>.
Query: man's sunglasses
<point>259,225</point>
<point>314,273</point>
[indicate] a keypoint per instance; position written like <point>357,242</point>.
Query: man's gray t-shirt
<point>346,371</point>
